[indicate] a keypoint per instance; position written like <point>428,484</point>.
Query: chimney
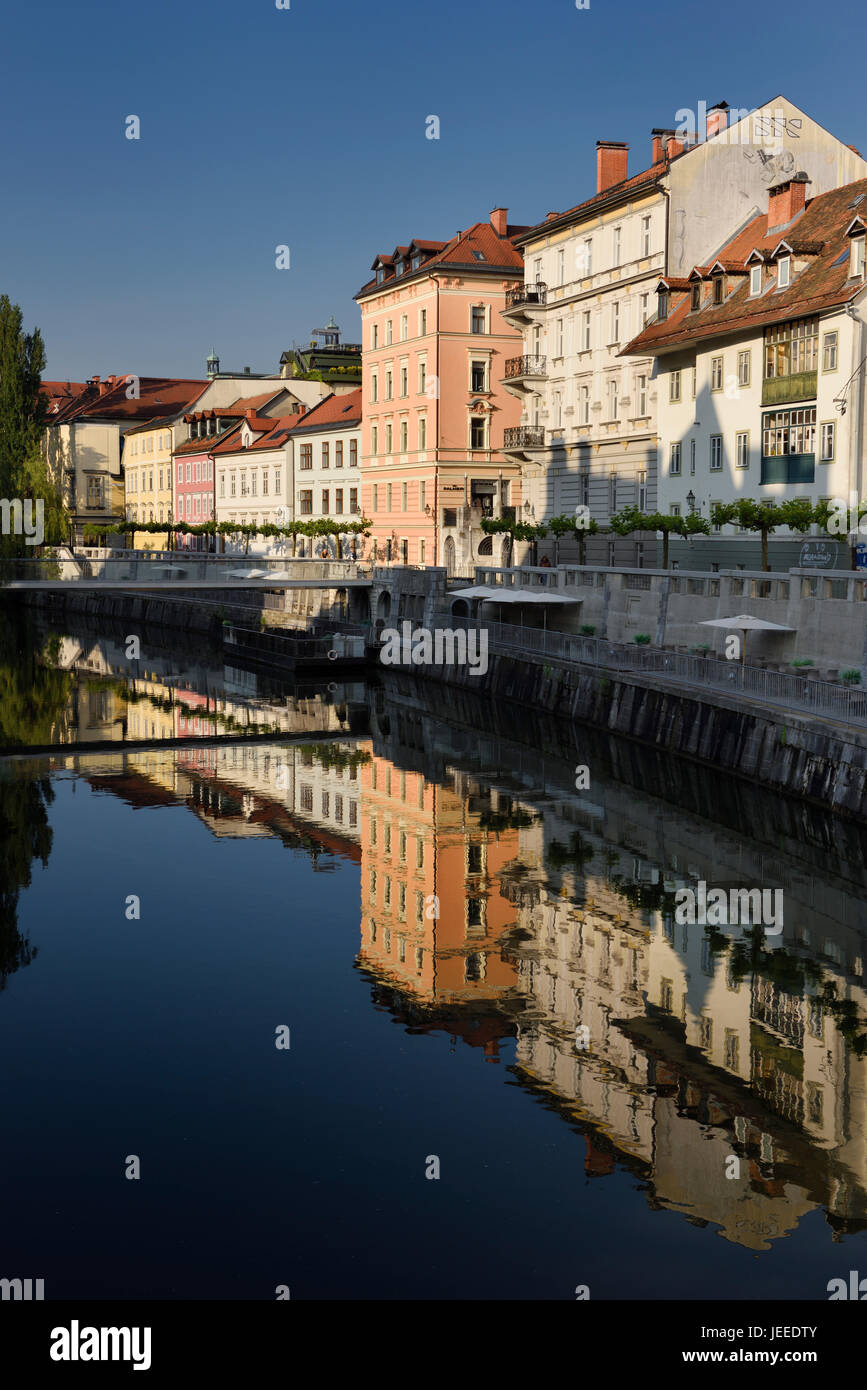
<point>673,147</point>
<point>551,216</point>
<point>499,219</point>
<point>657,137</point>
<point>786,200</point>
<point>717,119</point>
<point>611,157</point>
<point>250,415</point>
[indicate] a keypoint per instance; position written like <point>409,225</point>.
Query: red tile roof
<point>335,410</point>
<point>617,191</point>
<point>822,284</point>
<point>277,430</point>
<point>157,396</point>
<point>499,255</point>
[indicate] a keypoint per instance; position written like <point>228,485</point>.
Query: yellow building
<point>148,468</point>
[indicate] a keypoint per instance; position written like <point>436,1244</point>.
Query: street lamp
<point>690,500</point>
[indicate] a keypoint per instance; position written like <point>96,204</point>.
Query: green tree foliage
<point>764,518</point>
<point>22,412</point>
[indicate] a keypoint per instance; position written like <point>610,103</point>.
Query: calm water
<point>418,893</point>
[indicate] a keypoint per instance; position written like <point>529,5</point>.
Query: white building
<point>760,375</point>
<point>326,444</point>
<point>588,432</point>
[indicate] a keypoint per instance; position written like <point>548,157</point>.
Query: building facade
<point>326,446</point>
<point>435,340</point>
<point>760,373</point>
<point>587,436</point>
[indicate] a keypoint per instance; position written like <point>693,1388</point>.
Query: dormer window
<point>380,274</point>
<point>784,271</point>
<point>696,295</point>
<point>856,256</point>
<point>398,267</point>
<point>755,279</point>
<point>663,304</point>
<point>416,261</point>
<point>718,289</point>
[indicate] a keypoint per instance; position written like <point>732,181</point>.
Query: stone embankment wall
<point>800,754</point>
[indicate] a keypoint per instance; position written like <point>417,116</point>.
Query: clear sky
<point>305,127</point>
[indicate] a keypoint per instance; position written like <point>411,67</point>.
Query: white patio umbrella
<point>745,622</point>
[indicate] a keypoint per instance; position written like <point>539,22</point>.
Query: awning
<point>747,623</point>
<point>496,595</point>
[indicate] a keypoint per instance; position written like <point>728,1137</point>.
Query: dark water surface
<point>418,892</point>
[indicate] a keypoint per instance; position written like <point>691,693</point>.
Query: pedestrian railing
<point>847,703</point>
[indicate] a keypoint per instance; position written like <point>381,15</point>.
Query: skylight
<point>479,255</point>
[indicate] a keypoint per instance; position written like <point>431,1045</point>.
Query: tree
<point>22,408</point>
<point>841,521</point>
<point>560,526</point>
<point>765,517</point>
<point>661,523</point>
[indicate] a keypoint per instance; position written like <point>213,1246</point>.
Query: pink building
<point>434,408</point>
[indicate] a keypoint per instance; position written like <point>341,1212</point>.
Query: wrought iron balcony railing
<point>536,293</point>
<point>524,437</point>
<point>531,364</point>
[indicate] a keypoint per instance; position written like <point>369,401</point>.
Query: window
<point>478,432</point>
<point>718,289</point>
<point>388,438</point>
<point>587,256</point>
<point>374,439</point>
<point>559,339</point>
<point>791,348</point>
<point>306,455</point>
<point>404,327</point>
<point>612,493</point>
<point>640,396</point>
<point>642,491</point>
<point>643,308</point>
<point>380,274</point>
<point>586,338</point>
<point>585,405</point>
<point>422,377</point>
<point>696,296</point>
<point>375,497</point>
<point>388,497</point>
<point>353,499</point>
<point>618,242</point>
<point>338,453</point>
<point>404,381</point>
<point>479,376</point>
<point>716,373</point>
<point>674,460</point>
<point>421,550</point>
<point>338,501</point>
<point>615,322</point>
<point>422,495</point>
<point>715,453</point>
<point>694,375</point>
<point>674,509</point>
<point>829,431</point>
<point>404,436</point>
<point>856,256</point>
<point>561,266</point>
<point>742,449</point>
<point>326,501</point>
<point>477,319</point>
<point>645,236</point>
<point>222,484</point>
<point>744,368</point>
<point>788,432</point>
<point>353,453</point>
<point>276,479</point>
<point>388,385</point>
<point>305,498</point>
<point>388,334</point>
<point>558,409</point>
<point>374,388</point>
<point>422,322</point>
<point>783,272</point>
<point>674,386</point>
<point>374,336</point>
<point>829,352</point>
<point>663,304</point>
<point>756,279</point>
<point>612,400</point>
<point>422,432</point>
<point>232,484</point>
<point>189,474</point>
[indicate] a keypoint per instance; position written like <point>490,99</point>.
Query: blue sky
<point>306,127</point>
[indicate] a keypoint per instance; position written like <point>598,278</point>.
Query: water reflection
<point>510,912</point>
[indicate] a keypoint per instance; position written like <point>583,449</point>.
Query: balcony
<point>788,468</point>
<point>780,390</point>
<point>522,373</point>
<point>523,299</point>
<point>521,437</point>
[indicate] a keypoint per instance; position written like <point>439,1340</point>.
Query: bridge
<point>176,571</point>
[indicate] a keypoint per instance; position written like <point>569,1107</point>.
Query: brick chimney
<point>499,220</point>
<point>611,157</point>
<point>786,200</point>
<point>673,147</point>
<point>551,216</point>
<point>717,119</point>
<point>657,147</point>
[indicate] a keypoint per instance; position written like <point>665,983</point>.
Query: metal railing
<point>524,437</point>
<point>846,703</point>
<point>179,568</point>
<point>527,294</point>
<point>531,364</point>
